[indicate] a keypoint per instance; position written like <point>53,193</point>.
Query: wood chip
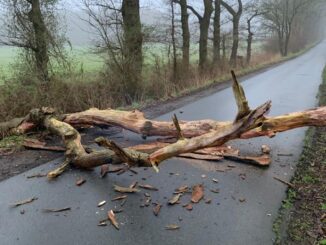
<point>208,201</point>
<point>265,149</point>
<point>172,227</point>
<point>100,204</point>
<point>111,217</point>
<point>104,170</point>
<point>197,193</point>
<point>242,199</point>
<point>157,209</point>
<point>189,207</point>
<point>23,202</point>
<point>133,184</point>
<point>215,190</point>
<point>80,181</point>
<point>39,145</point>
<point>102,223</point>
<point>181,189</point>
<point>38,175</point>
<point>175,199</point>
<point>58,210</point>
<point>119,198</point>
<point>148,187</point>
<point>125,189</point>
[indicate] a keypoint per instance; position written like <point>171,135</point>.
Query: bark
<point>217,34</point>
<point>235,32</point>
<point>249,41</point>
<point>133,41</point>
<point>174,48</point>
<point>185,34</point>
<point>204,22</point>
<point>41,39</point>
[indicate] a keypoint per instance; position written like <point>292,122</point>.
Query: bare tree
<point>185,33</point>
<point>217,33</point>
<point>252,11</point>
<point>236,15</point>
<point>174,46</point>
<point>32,26</point>
<point>204,22</point>
<point>279,18</point>
<point>119,33</point>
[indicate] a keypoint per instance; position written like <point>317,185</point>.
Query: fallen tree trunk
<point>136,122</point>
<point>194,137</point>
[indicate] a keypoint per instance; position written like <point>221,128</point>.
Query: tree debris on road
<point>23,202</point>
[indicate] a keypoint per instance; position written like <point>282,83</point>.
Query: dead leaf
<point>23,202</point>
<point>172,227</point>
<point>111,217</point>
<point>80,181</point>
<point>100,204</point>
<point>157,209</point>
<point>119,198</point>
<point>189,206</point>
<point>148,187</point>
<point>104,170</point>
<point>125,189</point>
<point>49,210</point>
<point>175,199</point>
<point>197,193</point>
<point>181,189</point>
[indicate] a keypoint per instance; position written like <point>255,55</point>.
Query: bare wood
<point>214,138</point>
<point>239,94</point>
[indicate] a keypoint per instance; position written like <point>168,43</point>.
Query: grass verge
<point>302,217</point>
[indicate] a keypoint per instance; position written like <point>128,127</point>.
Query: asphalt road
<point>291,86</point>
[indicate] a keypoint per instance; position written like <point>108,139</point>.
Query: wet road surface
<point>291,86</point>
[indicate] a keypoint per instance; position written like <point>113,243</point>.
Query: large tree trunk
<point>204,27</point>
<point>185,34</point>
<point>217,34</point>
<point>235,43</point>
<point>174,47</point>
<point>41,39</point>
<point>133,41</point>
<point>236,15</point>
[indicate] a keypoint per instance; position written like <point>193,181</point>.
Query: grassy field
<point>85,60</point>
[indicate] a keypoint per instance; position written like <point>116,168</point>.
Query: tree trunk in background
<point>235,36</point>
<point>224,48</point>
<point>249,41</point>
<point>217,34</point>
<point>133,42</point>
<point>204,27</point>
<point>185,34</point>
<point>174,48</point>
<point>41,39</point>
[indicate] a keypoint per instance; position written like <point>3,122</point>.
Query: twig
<point>285,182</point>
